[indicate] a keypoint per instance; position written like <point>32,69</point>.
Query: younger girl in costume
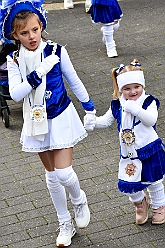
<point>108,13</point>
<point>142,156</point>
<point>51,124</point>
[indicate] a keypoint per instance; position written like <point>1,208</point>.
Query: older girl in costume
<point>108,13</point>
<point>142,155</point>
<point>51,124</point>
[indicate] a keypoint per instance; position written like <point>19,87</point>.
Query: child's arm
<point>78,89</point>
<point>72,78</point>
<point>18,89</point>
<point>106,120</point>
<point>147,116</point>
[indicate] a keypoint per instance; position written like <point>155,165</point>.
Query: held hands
<point>132,107</point>
<point>90,120</point>
<point>47,64</point>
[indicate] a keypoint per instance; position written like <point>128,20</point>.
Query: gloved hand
<point>90,120</point>
<point>132,107</point>
<point>47,64</point>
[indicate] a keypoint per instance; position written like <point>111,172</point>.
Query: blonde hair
<point>133,66</point>
<point>20,21</point>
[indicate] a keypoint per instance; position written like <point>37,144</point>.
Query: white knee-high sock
<point>157,195</point>
<point>108,37</point>
<point>58,195</point>
<point>68,178</point>
<point>116,26</point>
<point>136,197</point>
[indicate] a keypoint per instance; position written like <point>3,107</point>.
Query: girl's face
<point>132,91</point>
<point>30,34</point>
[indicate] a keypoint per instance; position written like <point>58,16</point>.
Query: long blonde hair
<point>133,66</point>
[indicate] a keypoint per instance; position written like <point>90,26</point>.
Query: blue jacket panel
<point>56,96</point>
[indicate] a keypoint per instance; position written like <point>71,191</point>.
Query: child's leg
<point>58,195</point>
<point>157,196</point>
<point>116,26</point>
<point>68,178</point>
<point>88,5</point>
<point>109,41</point>
<point>141,204</point>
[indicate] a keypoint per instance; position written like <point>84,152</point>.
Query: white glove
<point>132,107</point>
<point>47,64</point>
<point>90,120</point>
<point>105,120</point>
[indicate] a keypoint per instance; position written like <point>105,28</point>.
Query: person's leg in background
<point>108,31</point>
<point>69,4</point>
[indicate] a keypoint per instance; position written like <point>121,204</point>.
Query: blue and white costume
<point>64,125</point>
<point>142,155</point>
<point>50,120</point>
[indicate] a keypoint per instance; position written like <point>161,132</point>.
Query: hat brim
<point>17,8</point>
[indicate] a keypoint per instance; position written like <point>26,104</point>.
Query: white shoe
<point>68,4</point>
<point>67,231</point>
<point>87,6</point>
<point>82,213</point>
<point>112,53</point>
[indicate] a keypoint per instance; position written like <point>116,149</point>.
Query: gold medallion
<point>38,113</point>
<point>128,137</point>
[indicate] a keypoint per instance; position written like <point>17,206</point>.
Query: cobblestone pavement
<point>28,218</point>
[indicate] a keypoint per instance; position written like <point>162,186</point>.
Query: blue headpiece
<point>10,8</point>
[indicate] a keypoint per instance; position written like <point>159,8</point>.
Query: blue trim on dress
<point>150,149</point>
<point>131,187</point>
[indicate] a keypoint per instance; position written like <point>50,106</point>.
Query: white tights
<point>156,195</point>
<point>59,180</point>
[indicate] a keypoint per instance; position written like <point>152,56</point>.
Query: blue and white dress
<point>65,128</point>
<point>142,162</point>
<point>105,11</point>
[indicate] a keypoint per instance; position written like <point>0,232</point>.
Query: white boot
<point>87,5</point>
<point>108,31</point>
<point>68,4</point>
<point>111,49</point>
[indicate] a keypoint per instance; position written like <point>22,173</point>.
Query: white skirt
<point>65,131</point>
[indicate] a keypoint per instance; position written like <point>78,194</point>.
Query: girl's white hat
<point>130,77</point>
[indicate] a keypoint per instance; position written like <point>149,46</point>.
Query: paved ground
<point>28,218</point>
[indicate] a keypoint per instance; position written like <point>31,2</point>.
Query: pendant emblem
<point>38,113</point>
<point>128,137</point>
<point>130,169</point>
